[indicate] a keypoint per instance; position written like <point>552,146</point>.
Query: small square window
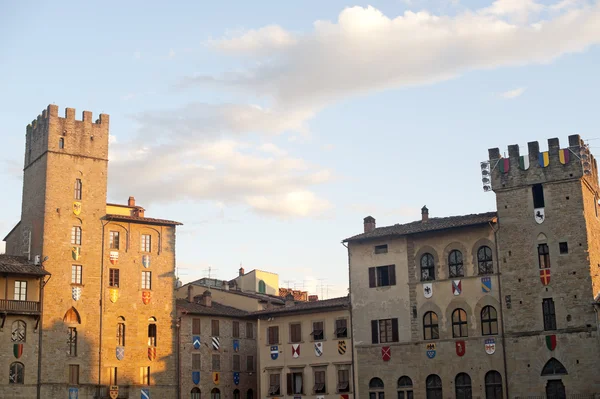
<point>381,249</point>
<point>564,247</point>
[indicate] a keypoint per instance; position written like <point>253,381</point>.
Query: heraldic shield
<point>460,348</point>
<point>76,208</point>
<point>274,352</point>
<point>196,377</point>
<point>236,377</point>
<point>113,294</point>
<point>318,348</point>
<point>341,347</point>
<point>386,353</point>
<point>146,297</point>
<point>151,353</point>
<point>18,350</point>
<point>146,261</point>
<point>196,341</point>
<point>113,392</point>
<point>430,350</point>
<point>216,377</point>
<point>76,293</point>
<point>120,352</point>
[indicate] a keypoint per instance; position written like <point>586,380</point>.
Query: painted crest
<point>490,346</point>
<point>274,352</point>
<point>486,284</point>
<point>216,343</point>
<point>236,377</point>
<point>196,377</point>
<point>456,287</point>
<point>76,208</point>
<point>344,396</point>
<point>216,377</point>
<point>428,290</point>
<point>544,159</point>
<point>76,293</point>
<point>461,348</point>
<point>386,353</point>
<point>524,162</point>
<point>120,352</point>
<point>236,345</point>
<point>146,295</point>
<point>318,348</point>
<point>545,276</point>
<point>151,353</point>
<point>196,341</point>
<point>430,350</point>
<point>113,392</point>
<point>75,251</point>
<point>341,347</point>
<point>113,294</point>
<point>18,350</point>
<point>295,350</point>
<point>551,342</point>
<point>146,261</point>
<point>539,215</point>
<point>145,393</point>
<point>114,257</point>
<point>73,393</point>
<point>504,165</point>
<point>563,156</point>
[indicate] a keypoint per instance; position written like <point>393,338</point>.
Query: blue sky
<point>270,129</point>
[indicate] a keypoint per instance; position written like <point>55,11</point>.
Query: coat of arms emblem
<point>216,343</point>
<point>461,348</point>
<point>18,350</point>
<point>76,208</point>
<point>274,352</point>
<point>430,350</point>
<point>146,297</point>
<point>318,348</point>
<point>486,284</point>
<point>113,294</point>
<point>196,377</point>
<point>120,353</point>
<point>216,377</point>
<point>151,353</point>
<point>386,353</point>
<point>196,341</point>
<point>456,287</point>
<point>76,293</point>
<point>146,261</point>
<point>295,350</point>
<point>236,345</point>
<point>545,276</point>
<point>428,290</point>
<point>490,346</point>
<point>75,251</point>
<point>113,392</point>
<point>236,377</point>
<point>114,257</point>
<point>539,215</point>
<point>341,347</point>
<point>551,342</point>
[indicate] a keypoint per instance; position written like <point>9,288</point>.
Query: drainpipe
<point>351,325</point>
<point>40,340</point>
<point>101,311</point>
<point>501,308</point>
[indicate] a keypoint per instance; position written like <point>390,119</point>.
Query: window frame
<point>146,280</point>
<point>196,361</point>
<point>392,329</point>
<point>73,374</point>
<point>121,333</point>
<point>76,274</point>
<point>405,387</point>
<point>72,341</point>
<point>549,314</point>
<point>20,291</point>
<point>544,256</point>
<point>113,239</point>
<point>456,264</point>
<point>250,363</point>
<point>152,335</point>
<point>249,330</point>
<point>273,335</point>
<point>145,375</point>
<point>493,389</point>
<point>235,329</point>
<point>490,321</point>
<point>343,384</point>
<point>380,249</point>
<point>338,328</point>
<point>319,384</point>
<point>76,234</point>
<point>16,369</point>
<point>236,360</point>
<point>537,193</point>
<point>376,388</point>
<point>382,276</point>
<point>215,363</point>
<point>431,325</point>
<point>113,277</point>
<point>427,263</point>
<point>463,389</point>
<point>434,387</point>
<point>18,327</point>
<point>462,324</point>
<point>295,332</point>
<point>316,333</point>
<point>78,189</point>
<point>274,384</point>
<point>485,261</point>
<point>146,243</point>
<point>196,326</point>
<point>214,328</point>
<point>563,247</point>
<point>292,382</point>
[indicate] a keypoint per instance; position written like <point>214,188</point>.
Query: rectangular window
<point>343,384</point>
<point>273,335</point>
<point>318,332</point>
<point>75,274</point>
<point>120,334</point>
<point>196,361</point>
<point>549,314</point>
<point>382,276</point>
<point>538,196</point>
<point>216,362</point>
<point>145,375</point>
<point>381,249</point>
<point>294,383</point>
<point>72,341</point>
<point>214,328</point>
<point>236,363</point>
<point>146,243</point>
<point>20,290</point>
<point>274,384</point>
<point>112,376</point>
<point>249,331</point>
<point>147,280</point>
<point>235,329</point>
<point>113,278</point>
<point>196,326</point>
<point>295,332</point>
<point>319,381</point>
<point>73,374</point>
<point>152,334</point>
<point>113,240</point>
<point>77,189</point>
<point>563,247</point>
<point>544,256</point>
<point>76,235</point>
<point>341,328</point>
<point>385,330</point>
<point>249,363</point>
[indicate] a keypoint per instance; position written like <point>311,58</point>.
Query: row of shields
<point>318,349</point>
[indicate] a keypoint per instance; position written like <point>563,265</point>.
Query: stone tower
<point>549,253</point>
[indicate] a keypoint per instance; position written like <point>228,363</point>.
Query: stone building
<point>304,349</point>
<point>217,346</point>
<point>107,311</point>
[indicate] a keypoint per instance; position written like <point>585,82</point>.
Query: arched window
<point>121,331</point>
<point>485,262</point>
<point>554,367</point>
<point>427,267</point>
<point>250,394</point>
<point>215,394</point>
<point>195,393</point>
<point>405,386</point>
<point>72,316</point>
<point>19,331</point>
<point>236,394</point>
<point>262,287</point>
<point>152,331</point>
<point>433,386</point>
<point>16,373</point>
<point>555,389</point>
<point>376,389</point>
<point>77,189</point>
<point>431,329</point>
<point>462,386</point>
<point>455,264</point>
<point>459,324</point>
<point>493,385</point>
<point>489,321</point>
<point>76,235</point>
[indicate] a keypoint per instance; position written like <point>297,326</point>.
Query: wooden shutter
<point>392,274</point>
<point>196,362</point>
<point>196,326</point>
<point>371,277</point>
<point>394,330</point>
<point>374,332</point>
<point>289,384</point>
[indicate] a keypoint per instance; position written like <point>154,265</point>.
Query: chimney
<point>289,300</point>
<point>206,299</point>
<point>424,214</point>
<point>190,297</point>
<point>131,201</point>
<point>226,285</point>
<point>138,211</point>
<point>313,298</point>
<point>241,271</point>
<point>369,223</point>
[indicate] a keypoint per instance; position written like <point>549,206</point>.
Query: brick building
<point>107,311</point>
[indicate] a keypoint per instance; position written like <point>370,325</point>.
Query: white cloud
<point>112,139</point>
<point>565,4</point>
<point>518,9</point>
<point>511,94</point>
<point>137,55</point>
<point>295,203</point>
<point>271,37</point>
<point>271,148</point>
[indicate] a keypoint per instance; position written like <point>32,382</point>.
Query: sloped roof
<point>139,219</point>
<point>433,224</point>
<point>312,307</point>
<point>248,294</point>
<point>20,265</point>
<point>216,309</point>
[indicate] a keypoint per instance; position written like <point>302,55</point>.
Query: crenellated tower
<point>549,256</point>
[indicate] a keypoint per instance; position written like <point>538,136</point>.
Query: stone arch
<point>462,304</point>
<point>554,367</point>
<point>474,270</point>
<point>158,235</point>
<point>436,259</point>
<point>432,307</point>
<point>72,316</point>
<point>125,230</point>
<point>542,237</point>
<point>486,300</point>
<point>455,245</point>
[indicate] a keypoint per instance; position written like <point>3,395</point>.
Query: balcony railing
<point>11,306</point>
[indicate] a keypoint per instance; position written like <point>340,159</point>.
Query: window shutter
<point>392,272</point>
<point>371,277</point>
<point>374,332</point>
<point>289,384</point>
<point>395,330</point>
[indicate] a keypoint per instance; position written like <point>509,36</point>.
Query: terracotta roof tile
<point>316,306</point>
<point>216,309</point>
<point>20,265</point>
<point>142,219</point>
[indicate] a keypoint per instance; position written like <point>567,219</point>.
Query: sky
<point>270,129</point>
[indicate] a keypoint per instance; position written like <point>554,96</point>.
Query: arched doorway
<point>555,389</point>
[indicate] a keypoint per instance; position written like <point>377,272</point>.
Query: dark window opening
<point>382,276</point>
<point>431,328</point>
<point>341,328</point>
<point>493,385</point>
<point>318,332</point>
<point>554,367</point>
<point>564,247</point>
<point>61,143</point>
<point>544,256</point>
<point>459,324</point>
<point>462,386</point>
<point>549,314</point>
<point>489,321</point>
<point>295,383</point>
<point>385,330</point>
<point>485,261</point>
<point>538,195</point>
<point>381,249</point>
<point>455,264</point>
<point>433,386</point>
<point>427,267</point>
<point>295,332</point>
<point>113,277</point>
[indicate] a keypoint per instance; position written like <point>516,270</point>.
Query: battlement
<point>52,112</point>
<point>572,162</point>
